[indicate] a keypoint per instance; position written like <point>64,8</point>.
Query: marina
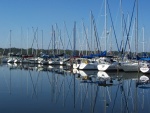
<point>74,56</point>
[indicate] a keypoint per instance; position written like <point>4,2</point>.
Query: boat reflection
<point>103,75</point>
<point>84,91</point>
<point>143,82</point>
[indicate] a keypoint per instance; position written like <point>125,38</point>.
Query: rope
<point>95,32</point>
<point>113,27</point>
<point>86,36</point>
<point>130,24</point>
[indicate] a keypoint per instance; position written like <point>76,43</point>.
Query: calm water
<point>35,89</point>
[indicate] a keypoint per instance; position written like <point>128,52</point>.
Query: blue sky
<point>25,14</point>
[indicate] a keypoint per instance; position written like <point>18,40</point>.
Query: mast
<point>53,37</point>
<point>137,26</point>
<point>56,38</point>
<point>10,42</point>
<point>105,24</point>
<point>21,40</point>
<point>111,39</point>
<point>121,13</point>
<point>91,29</point>
<point>143,38</point>
<point>37,42</point>
<point>64,39</point>
<point>83,39</point>
<point>42,41</point>
<point>128,25</point>
<point>86,44</point>
<point>54,41</point>
<point>74,38</point>
<point>27,40</point>
<point>135,37</point>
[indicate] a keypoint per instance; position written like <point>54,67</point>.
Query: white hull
<point>108,67</point>
<point>53,62</point>
<point>68,64</point>
<point>24,61</point>
<point>62,63</point>
<point>10,61</point>
<point>131,67</point>
<point>145,69</point>
<point>33,61</point>
<point>88,66</point>
<point>44,62</point>
<point>76,66</point>
<point>17,61</point>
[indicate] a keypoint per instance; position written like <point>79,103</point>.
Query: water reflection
<point>46,88</point>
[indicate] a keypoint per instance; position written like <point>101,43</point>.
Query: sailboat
<point>135,65</point>
<point>56,59</point>
<point>107,63</point>
<point>4,59</point>
<point>10,59</point>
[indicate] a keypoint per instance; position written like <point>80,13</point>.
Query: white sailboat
<point>107,63</point>
<point>10,54</point>
<point>133,65</point>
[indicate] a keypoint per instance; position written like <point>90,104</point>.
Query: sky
<point>23,17</point>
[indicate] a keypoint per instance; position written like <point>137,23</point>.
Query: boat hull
<point>145,69</point>
<point>90,66</point>
<point>107,67</point>
<point>76,66</point>
<point>130,67</point>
